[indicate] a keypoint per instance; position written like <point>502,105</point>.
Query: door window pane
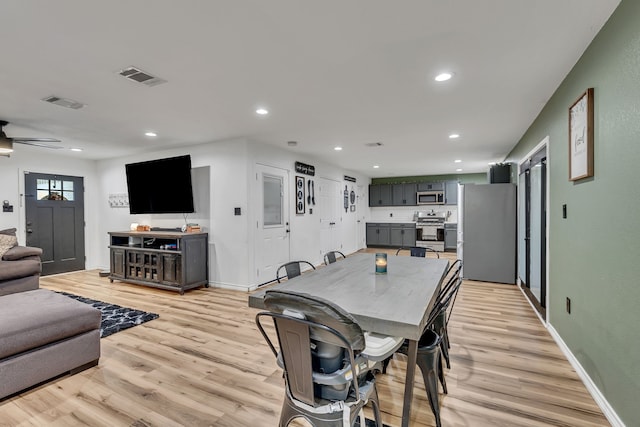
<point>54,189</point>
<point>272,196</point>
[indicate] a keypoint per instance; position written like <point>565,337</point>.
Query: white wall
<point>229,168</point>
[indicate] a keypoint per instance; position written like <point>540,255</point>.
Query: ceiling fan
<point>6,143</point>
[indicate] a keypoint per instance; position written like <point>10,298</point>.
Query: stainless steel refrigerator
<point>487,232</point>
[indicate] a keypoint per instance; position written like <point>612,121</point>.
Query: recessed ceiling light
<point>292,143</point>
<point>337,148</point>
<point>376,166</point>
<point>454,136</point>
<point>458,170</point>
<point>262,111</point>
<point>443,77</point>
<point>76,149</point>
<point>457,161</point>
<point>151,134</point>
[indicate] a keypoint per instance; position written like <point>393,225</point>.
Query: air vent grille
<point>63,102</point>
<point>137,75</point>
<point>374,144</point>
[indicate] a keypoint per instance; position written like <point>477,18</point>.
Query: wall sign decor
<point>581,137</point>
<point>349,178</point>
<point>305,169</point>
<point>300,206</point>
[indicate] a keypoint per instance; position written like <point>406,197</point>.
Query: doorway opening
<point>532,227</point>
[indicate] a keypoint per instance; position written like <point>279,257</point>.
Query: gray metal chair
<point>417,251</point>
<point>446,299</point>
<point>327,379</point>
<point>332,256</point>
<point>292,269</point>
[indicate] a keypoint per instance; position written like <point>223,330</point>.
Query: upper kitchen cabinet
<point>451,193</point>
<point>404,194</point>
<point>380,195</point>
<point>431,186</point>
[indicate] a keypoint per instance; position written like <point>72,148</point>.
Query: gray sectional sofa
<point>43,334</point>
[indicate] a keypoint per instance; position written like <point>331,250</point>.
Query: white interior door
<point>361,204</point>
<point>329,203</point>
<point>272,237</point>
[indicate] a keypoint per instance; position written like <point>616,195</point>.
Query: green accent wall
<point>467,178</point>
<point>594,254</point>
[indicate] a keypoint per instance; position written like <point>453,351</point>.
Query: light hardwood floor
<point>203,363</point>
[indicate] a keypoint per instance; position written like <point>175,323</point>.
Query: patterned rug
<point>114,317</point>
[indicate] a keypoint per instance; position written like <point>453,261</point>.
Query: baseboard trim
<point>231,286</point>
<point>601,401</point>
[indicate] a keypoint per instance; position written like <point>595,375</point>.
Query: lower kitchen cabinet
<point>450,237</point>
<point>391,234</point>
<point>403,235</point>
<point>378,234</point>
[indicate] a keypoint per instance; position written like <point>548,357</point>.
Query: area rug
<point>114,317</point>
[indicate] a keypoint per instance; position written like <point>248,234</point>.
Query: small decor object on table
<point>581,137</point>
<point>381,263</point>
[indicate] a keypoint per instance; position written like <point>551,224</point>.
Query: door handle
<point>287,231</point>
<point>29,231</point>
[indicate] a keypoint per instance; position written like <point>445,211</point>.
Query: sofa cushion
<point>6,243</point>
<point>32,319</point>
<point>19,252</point>
<point>9,231</point>
<point>15,269</point>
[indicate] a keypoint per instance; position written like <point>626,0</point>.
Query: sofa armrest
<point>21,252</point>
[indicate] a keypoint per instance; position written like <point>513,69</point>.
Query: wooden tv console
<point>162,259</point>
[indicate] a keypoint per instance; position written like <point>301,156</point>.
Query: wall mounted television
<point>160,186</point>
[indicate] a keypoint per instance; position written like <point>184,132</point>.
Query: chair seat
<point>380,347</point>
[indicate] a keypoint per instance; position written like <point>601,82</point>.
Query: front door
<point>54,211</point>
<point>272,222</point>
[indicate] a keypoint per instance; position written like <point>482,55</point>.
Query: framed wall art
<point>300,202</point>
<point>581,137</point>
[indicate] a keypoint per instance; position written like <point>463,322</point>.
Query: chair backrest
<point>292,269</point>
<point>418,251</point>
<point>331,257</point>
<point>448,293</point>
<point>313,334</point>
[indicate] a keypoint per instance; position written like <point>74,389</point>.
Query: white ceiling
<point>330,72</point>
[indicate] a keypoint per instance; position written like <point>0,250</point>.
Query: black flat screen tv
<point>160,186</point>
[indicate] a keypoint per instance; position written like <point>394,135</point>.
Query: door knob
<point>29,230</point>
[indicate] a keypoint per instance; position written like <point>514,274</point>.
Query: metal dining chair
<point>292,269</point>
<point>417,251</point>
<point>332,256</point>
<point>328,379</point>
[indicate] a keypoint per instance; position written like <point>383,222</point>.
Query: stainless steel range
<point>430,229</point>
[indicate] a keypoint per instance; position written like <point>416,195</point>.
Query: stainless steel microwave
<point>430,197</point>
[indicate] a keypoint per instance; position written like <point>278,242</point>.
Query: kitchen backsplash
<point>405,214</point>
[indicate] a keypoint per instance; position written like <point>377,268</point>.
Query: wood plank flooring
<point>203,363</point>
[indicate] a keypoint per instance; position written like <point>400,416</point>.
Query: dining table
<point>395,303</point>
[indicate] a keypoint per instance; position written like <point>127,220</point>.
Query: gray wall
<point>595,253</point>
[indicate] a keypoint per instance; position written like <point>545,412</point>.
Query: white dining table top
<point>396,303</point>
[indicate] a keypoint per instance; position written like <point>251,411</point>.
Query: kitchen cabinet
<point>431,186</point>
<point>378,234</point>
<point>380,195</point>
<point>450,237</point>
<point>404,194</point>
<point>166,260</point>
<point>451,193</point>
<point>402,234</point>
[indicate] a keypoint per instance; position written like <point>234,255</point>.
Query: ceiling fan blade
<point>39,143</point>
<point>27,140</point>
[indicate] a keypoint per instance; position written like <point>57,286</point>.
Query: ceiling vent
<point>373,144</point>
<point>137,75</point>
<point>63,102</point>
